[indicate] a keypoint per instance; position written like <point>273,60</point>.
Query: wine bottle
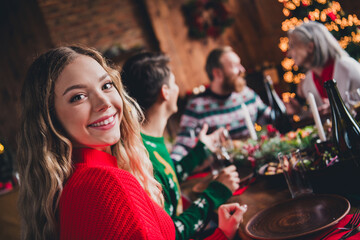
<point>278,114</point>
<point>345,130</point>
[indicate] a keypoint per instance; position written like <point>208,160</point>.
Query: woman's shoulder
<point>101,179</point>
<point>347,62</point>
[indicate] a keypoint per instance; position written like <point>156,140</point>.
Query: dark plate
<point>298,217</point>
<point>245,174</point>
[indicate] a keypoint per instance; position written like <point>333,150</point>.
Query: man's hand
<point>212,140</point>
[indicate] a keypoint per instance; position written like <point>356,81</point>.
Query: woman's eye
<point>77,98</point>
<point>108,85</point>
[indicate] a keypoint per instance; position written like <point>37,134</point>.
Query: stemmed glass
<point>224,153</point>
<point>353,101</point>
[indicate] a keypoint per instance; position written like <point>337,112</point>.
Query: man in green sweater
<point>149,80</point>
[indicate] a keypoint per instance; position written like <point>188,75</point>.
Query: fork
<point>351,233</point>
<point>353,222</point>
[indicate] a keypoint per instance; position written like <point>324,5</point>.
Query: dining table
<point>259,193</point>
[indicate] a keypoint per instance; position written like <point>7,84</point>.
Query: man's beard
<point>233,84</point>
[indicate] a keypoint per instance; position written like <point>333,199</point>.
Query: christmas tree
<point>345,28</point>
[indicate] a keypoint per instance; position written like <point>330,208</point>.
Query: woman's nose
<point>101,103</point>
<point>242,68</point>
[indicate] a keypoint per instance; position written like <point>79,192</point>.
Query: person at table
<point>220,104</point>
<point>84,171</point>
<point>315,49</point>
<point>150,81</point>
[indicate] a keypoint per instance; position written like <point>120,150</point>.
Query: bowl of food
<point>272,173</point>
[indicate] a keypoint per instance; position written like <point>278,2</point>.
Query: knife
<point>351,233</point>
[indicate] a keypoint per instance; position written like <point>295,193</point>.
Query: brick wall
<point>95,23</point>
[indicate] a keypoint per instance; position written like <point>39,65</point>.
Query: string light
<point>288,77</point>
<point>287,63</point>
<point>284,43</point>
<point>1,148</point>
<point>333,18</point>
<point>286,12</point>
<point>286,96</point>
<point>296,118</point>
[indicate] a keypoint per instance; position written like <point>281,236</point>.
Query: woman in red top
<point>84,171</point>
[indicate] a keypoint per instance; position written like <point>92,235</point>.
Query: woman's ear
<point>310,47</point>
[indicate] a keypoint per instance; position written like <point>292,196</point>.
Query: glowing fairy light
<point>296,2</point>
<point>296,118</point>
<point>287,63</point>
<point>286,12</point>
<point>288,77</point>
<point>283,45</point>
<point>1,148</point>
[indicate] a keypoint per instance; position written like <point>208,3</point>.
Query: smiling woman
<point>84,87</point>
<point>89,166</point>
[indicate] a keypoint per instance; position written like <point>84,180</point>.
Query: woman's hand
<point>230,217</point>
<point>229,177</point>
<point>212,140</point>
<point>325,108</point>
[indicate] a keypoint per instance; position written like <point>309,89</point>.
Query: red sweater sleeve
<point>108,203</point>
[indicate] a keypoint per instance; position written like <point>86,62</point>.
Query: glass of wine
<point>223,156</point>
<point>353,101</point>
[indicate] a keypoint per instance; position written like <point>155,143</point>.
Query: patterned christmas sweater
<point>190,221</point>
<point>217,111</point>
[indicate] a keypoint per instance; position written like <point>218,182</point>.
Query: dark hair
<point>213,60</point>
<point>143,76</point>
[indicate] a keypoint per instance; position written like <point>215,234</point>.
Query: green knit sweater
<point>190,221</point>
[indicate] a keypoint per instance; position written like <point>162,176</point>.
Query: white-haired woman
<point>315,49</point>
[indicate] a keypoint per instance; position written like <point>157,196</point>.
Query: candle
<point>248,122</point>
<point>315,113</point>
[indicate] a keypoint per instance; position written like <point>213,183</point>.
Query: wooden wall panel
<point>187,56</point>
<point>24,35</point>
<point>253,36</point>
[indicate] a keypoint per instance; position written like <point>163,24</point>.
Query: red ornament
<point>331,15</point>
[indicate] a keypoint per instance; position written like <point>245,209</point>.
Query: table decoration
<point>270,143</point>
<point>248,122</point>
<point>316,116</point>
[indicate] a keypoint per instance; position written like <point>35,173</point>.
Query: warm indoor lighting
<point>288,77</point>
<point>1,148</point>
<point>287,63</point>
<point>283,45</point>
<point>296,118</point>
<point>257,127</point>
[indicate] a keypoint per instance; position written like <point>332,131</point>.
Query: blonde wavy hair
<point>44,157</point>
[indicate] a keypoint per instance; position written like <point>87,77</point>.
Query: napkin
<point>339,233</point>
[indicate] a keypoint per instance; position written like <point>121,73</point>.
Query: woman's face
<point>88,105</point>
<point>300,52</point>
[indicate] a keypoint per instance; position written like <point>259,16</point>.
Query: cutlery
<point>351,233</point>
<point>353,222</point>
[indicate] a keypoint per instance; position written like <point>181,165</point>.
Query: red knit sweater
<point>101,201</point>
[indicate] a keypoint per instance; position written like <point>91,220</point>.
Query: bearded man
<point>220,105</point>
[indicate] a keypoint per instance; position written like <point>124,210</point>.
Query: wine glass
<point>353,101</point>
<point>224,154</point>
